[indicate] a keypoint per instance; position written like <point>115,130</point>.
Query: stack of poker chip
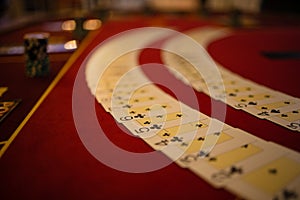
<point>37,61</point>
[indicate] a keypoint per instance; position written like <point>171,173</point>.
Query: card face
<point>232,86</point>
<point>196,148</point>
<point>154,111</point>
<point>251,99</point>
<point>179,135</point>
<point>6,107</point>
<point>290,119</point>
<point>277,107</point>
<point>223,168</point>
<point>170,123</point>
<point>135,112</point>
<point>3,90</point>
<point>119,84</point>
<point>110,97</point>
<point>142,96</point>
<point>278,178</point>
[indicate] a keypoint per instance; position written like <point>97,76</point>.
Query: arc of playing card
<point>239,92</point>
<point>174,137</point>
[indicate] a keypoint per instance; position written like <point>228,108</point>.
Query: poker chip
<point>35,50</point>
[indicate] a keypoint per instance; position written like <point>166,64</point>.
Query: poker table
<point>45,157</point>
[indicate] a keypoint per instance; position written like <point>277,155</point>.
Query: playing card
<point>185,76</point>
<point>289,119</point>
<point>6,107</point>
<point>134,112</point>
<point>229,88</point>
<point>226,86</point>
<point>120,81</point>
<point>151,126</point>
<point>159,109</point>
<point>276,178</point>
<point>277,107</point>
<point>180,134</point>
<point>221,169</point>
<point>153,104</point>
<point>213,144</point>
<point>244,100</point>
<point>144,95</point>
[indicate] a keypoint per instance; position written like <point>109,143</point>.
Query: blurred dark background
<point>13,12</point>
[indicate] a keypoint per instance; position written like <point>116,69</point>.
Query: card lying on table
<point>6,107</point>
<point>224,156</point>
<point>277,178</point>
<point>234,90</point>
<point>3,90</point>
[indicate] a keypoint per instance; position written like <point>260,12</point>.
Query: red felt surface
<point>21,87</point>
<point>47,159</point>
